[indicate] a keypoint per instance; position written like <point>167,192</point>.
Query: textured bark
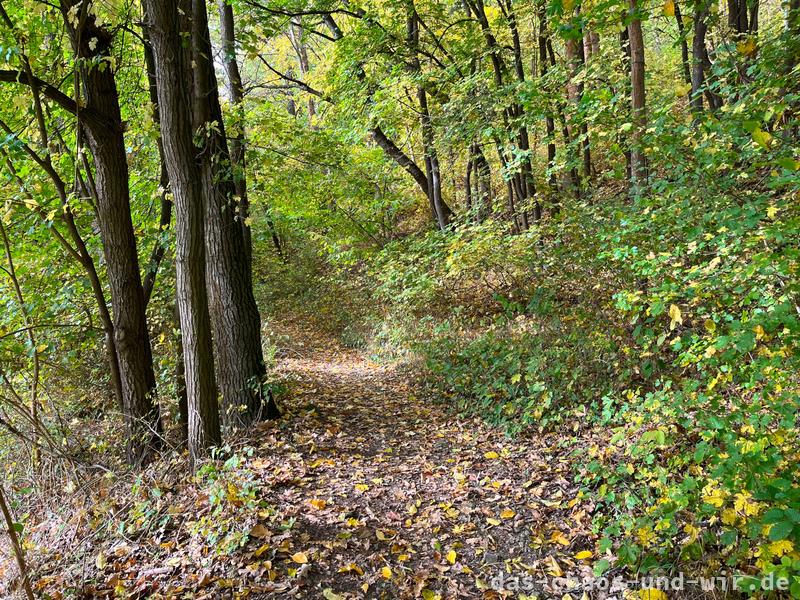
<point>687,70</point>
<point>738,17</point>
<point>549,120</point>
<point>234,315</point>
<point>625,46</point>
<point>576,59</point>
<point>165,218</point>
<point>173,75</point>
<point>638,106</point>
<point>19,553</point>
<point>106,141</point>
<point>237,147</point>
<point>699,56</point>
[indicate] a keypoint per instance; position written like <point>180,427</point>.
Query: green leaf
<point>780,531</point>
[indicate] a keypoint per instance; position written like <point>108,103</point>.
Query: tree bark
<point>234,314</point>
<point>16,546</point>
<point>237,145</point>
<point>106,142</point>
<point>699,56</point>
<point>433,175</point>
<point>638,105</point>
<point>173,74</point>
<point>687,72</point>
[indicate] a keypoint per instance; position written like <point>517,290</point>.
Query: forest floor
<point>366,488</point>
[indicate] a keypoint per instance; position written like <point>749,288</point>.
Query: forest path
<point>393,496</point>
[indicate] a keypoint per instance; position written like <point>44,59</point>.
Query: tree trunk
<point>549,120</point>
<point>236,94</point>
<point>699,56</point>
<point>234,314</point>
<point>173,74</point>
<point>104,132</point>
<point>687,72</point>
<point>638,107</point>
<point>16,546</point>
<point>432,170</point>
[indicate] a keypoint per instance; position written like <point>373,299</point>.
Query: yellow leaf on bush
<point>761,137</point>
<point>675,316</point>
<point>780,548</point>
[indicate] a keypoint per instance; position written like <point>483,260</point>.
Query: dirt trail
<point>395,497</point>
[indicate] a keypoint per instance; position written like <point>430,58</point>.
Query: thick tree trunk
<point>237,147</point>
<point>638,106</point>
<point>234,315</point>
<point>105,138</point>
<point>165,218</point>
<point>173,74</point>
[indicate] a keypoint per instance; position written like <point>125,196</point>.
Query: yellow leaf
<point>491,455</point>
<point>362,487</point>
<point>772,211</point>
<point>584,554</point>
<point>451,557</point>
<point>553,568</point>
<point>507,514</point>
<point>729,516</point>
<point>652,594</point>
<point>746,48</point>
<point>100,561</point>
<point>386,573</point>
<point>494,522</point>
<point>675,316</point>
<point>300,558</point>
<point>761,137</point>
<point>559,538</point>
<point>317,503</point>
<point>351,568</point>
<point>669,8</point>
<point>259,531</point>
<point>780,548</point>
